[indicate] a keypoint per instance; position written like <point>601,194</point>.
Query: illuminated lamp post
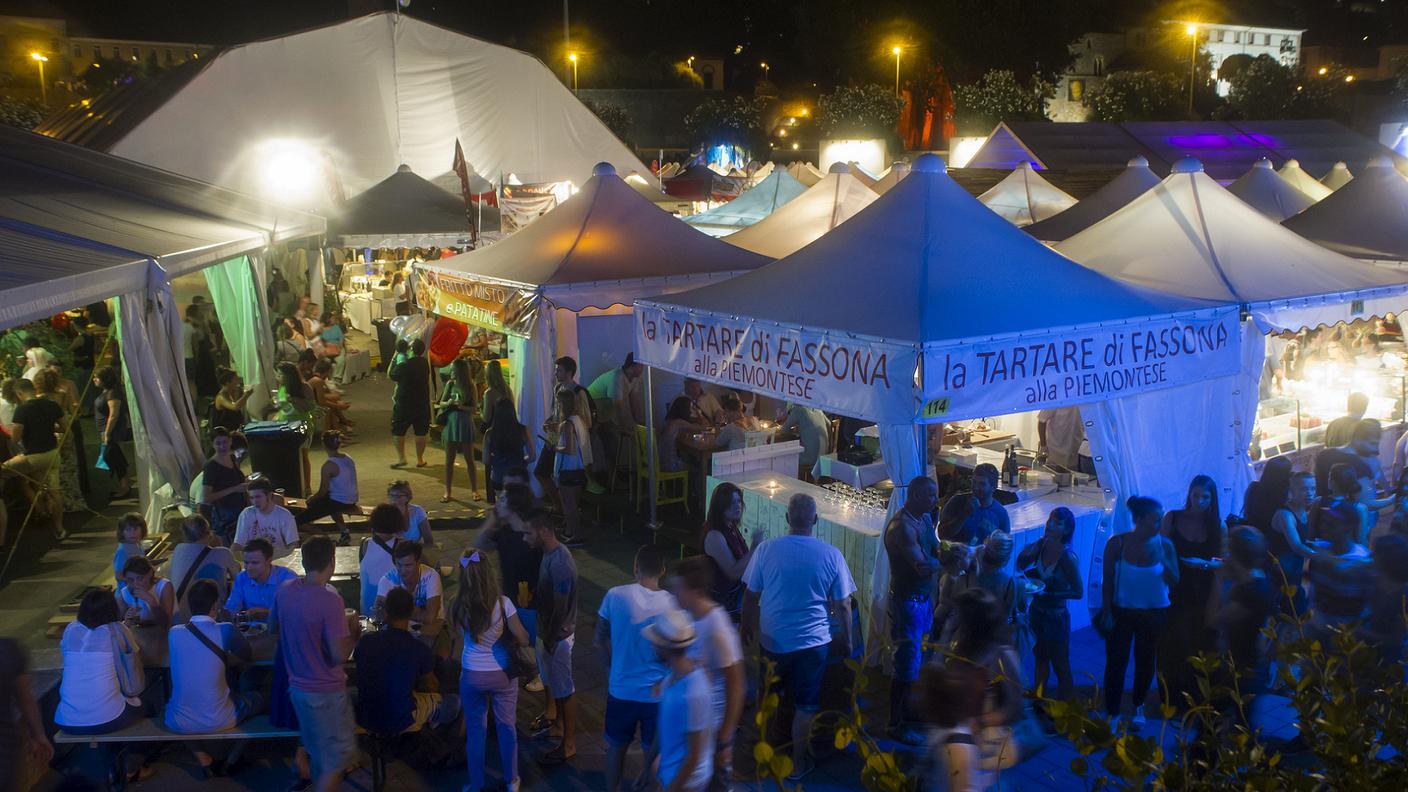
<point>43,88</point>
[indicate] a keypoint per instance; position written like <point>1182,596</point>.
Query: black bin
<point>385,341</point>
<point>274,453</point>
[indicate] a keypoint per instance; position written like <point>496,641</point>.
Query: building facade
<point>1223,41</point>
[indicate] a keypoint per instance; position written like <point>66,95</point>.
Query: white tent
<point>600,249</point>
<point>803,220</point>
<point>1132,182</point>
<point>1263,190</point>
<point>756,203</point>
<point>861,175</point>
<point>1367,218</point>
<point>1338,176</point>
<point>891,177</point>
<point>346,104</point>
<point>1023,197</point>
<point>805,172</point>
<point>649,188</point>
<point>1293,173</point>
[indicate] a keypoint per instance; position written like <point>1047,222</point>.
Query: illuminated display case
<point>1296,416</point>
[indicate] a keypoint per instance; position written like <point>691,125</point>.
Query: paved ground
<point>44,574</point>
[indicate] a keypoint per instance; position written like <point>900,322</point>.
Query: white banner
<point>836,372</point>
<point>1031,372</point>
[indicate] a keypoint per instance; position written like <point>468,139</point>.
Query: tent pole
<point>650,451</point>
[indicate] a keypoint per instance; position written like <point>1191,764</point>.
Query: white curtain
<point>154,370</point>
<point>239,304</point>
<point>1154,443</point>
<point>530,362</point>
<point>902,447</point>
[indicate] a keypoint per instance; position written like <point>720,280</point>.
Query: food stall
<point>863,323</point>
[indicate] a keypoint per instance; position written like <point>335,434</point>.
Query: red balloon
<point>446,339</point>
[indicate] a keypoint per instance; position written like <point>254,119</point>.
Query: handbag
<point>447,407</point>
<point>1104,619</point>
<point>521,662</point>
<point>102,463</point>
<point>127,661</point>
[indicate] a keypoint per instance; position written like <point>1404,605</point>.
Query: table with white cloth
<point>356,364</point>
<point>358,310</point>
<point>1028,518</point>
<point>858,476</point>
<point>855,532</point>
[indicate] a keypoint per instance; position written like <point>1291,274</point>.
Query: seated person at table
<point>387,529</point>
<point>391,665</point>
<point>704,409</point>
<point>199,557</point>
<point>146,599</point>
<point>734,433</point>
<point>812,429</point>
<point>264,519</point>
<point>983,514</point>
<point>337,487</point>
<point>676,423</point>
<point>201,651</point>
<point>421,581</point>
<point>254,588</point>
<point>131,532</point>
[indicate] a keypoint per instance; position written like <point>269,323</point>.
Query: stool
<point>624,466</point>
<point>379,746</point>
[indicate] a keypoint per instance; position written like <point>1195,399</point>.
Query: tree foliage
<point>22,113</point>
<point>734,121</point>
<point>1137,96</point>
<point>1265,89</point>
<point>865,109</point>
<point>617,118</point>
<point>999,97</point>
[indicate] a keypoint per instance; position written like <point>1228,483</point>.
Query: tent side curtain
<point>239,305</point>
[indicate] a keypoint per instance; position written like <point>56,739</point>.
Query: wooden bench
<point>151,730</point>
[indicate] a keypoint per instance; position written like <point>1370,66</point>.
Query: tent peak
<point>1188,165</point>
<point>1263,164</point>
<point>403,168</point>
<point>1137,161</point>
<point>1376,162</point>
<point>604,169</point>
<point>929,163</point>
<point>839,167</point>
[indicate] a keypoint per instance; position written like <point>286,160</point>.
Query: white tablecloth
<point>358,309</point>
<point>355,365</point>
<point>858,476</point>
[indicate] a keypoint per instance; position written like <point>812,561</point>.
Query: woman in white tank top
<point>1140,567</point>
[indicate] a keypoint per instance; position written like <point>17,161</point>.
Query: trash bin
<point>385,341</point>
<point>274,453</point>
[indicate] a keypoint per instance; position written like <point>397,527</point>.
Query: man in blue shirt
<point>253,591</point>
<point>987,515</point>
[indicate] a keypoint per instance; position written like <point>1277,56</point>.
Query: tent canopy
<point>1366,218</point>
<point>1296,176</point>
<point>403,210</point>
<point>1338,176</point>
<point>1024,197</point>
<point>1190,236</point>
<point>351,101</point>
<point>891,177</point>
<point>601,247</point>
<point>805,172</point>
<point>1264,190</point>
<point>1132,182</point>
<point>821,208</point>
<point>753,205</point>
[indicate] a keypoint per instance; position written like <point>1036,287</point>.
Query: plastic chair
<point>670,487</point>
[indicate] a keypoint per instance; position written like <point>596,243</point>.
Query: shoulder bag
<point>191,573</point>
<point>209,644</point>
<point>521,662</point>
<point>1104,619</point>
<point>127,661</point>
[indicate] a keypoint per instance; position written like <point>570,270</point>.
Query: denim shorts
<point>622,717</point>
<point>800,674</point>
<point>556,668</point>
<point>326,727</point>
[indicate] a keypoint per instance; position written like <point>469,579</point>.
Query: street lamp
<point>1192,30</point>
<point>765,69</point>
<point>573,58</point>
<point>896,50</point>
<point>43,89</point>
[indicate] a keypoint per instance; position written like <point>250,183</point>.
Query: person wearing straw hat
<point>686,731</point>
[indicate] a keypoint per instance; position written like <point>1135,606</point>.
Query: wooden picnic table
<point>348,565</point>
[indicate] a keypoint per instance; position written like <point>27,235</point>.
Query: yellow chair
<point>670,487</point>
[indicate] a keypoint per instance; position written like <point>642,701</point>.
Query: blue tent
<point>750,207</point>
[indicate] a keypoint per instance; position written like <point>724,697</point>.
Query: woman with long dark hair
<point>1051,560</point>
<point>1267,495</point>
<point>723,543</point>
<point>298,402</point>
<point>483,614</point>
<point>1141,566</point>
<point>1198,538</point>
<point>506,445</point>
<point>458,406</point>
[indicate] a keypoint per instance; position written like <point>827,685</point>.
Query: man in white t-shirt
<point>686,718</point>
<point>631,697</point>
<point>717,651</point>
<point>1060,434</point>
<point>264,519</point>
<point>794,583</point>
<point>423,582</point>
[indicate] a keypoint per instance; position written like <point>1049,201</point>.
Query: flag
<point>461,169</point>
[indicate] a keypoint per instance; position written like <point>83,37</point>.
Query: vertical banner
<point>1056,369</point>
<point>850,375</point>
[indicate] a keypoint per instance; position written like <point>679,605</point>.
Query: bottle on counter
<point>1010,470</point>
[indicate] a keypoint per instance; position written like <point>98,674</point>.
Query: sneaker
<point>595,488</point>
<point>1138,720</point>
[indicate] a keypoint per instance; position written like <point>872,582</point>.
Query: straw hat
<point>673,629</point>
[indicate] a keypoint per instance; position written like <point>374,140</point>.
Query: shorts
<point>420,424</point>
<point>556,668</point>
<point>800,674</point>
<point>327,729</point>
<point>571,478</point>
<point>433,708</point>
<point>546,460</point>
<point>42,466</point>
<point>318,508</point>
<point>622,717</point>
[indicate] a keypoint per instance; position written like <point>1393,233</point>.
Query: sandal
<point>398,465</point>
<point>422,463</point>
<point>540,727</point>
<point>444,498</point>
<point>556,757</point>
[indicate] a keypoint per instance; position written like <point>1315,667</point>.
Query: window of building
<point>77,51</point>
<point>168,56</point>
<point>1099,66</point>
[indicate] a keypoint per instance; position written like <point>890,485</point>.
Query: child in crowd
<point>131,532</point>
<point>952,698</point>
<point>954,560</point>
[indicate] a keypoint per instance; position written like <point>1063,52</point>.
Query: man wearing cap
<point>795,584</point>
<point>686,735</point>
